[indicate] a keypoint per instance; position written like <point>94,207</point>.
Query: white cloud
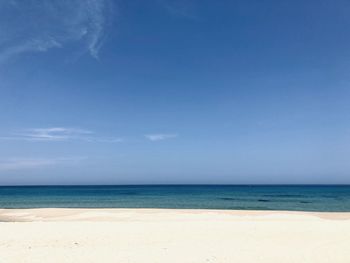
<point>160,136</point>
<point>32,163</point>
<point>53,134</point>
<point>59,134</point>
<point>38,26</point>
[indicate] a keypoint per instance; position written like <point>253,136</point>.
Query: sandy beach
<point>152,235</point>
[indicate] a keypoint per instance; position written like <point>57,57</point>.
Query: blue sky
<point>174,91</point>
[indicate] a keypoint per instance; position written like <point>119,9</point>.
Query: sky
<point>174,92</point>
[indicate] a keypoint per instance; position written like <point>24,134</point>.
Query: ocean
<point>236,197</point>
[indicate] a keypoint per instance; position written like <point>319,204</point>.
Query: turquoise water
<point>294,198</point>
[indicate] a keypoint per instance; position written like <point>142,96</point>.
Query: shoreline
<point>116,214</point>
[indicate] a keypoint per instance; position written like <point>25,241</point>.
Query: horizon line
<point>111,185</point>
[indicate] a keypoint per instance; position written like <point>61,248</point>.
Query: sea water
<point>238,197</point>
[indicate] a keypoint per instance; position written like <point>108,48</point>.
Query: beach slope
<point>157,235</point>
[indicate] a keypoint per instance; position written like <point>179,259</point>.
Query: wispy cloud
<point>32,163</point>
<point>182,8</point>
<point>160,136</point>
<point>53,134</point>
<point>29,46</point>
<point>97,24</point>
<point>59,134</point>
<point>108,140</point>
<point>38,26</point>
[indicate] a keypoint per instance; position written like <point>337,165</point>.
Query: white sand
<point>169,236</point>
